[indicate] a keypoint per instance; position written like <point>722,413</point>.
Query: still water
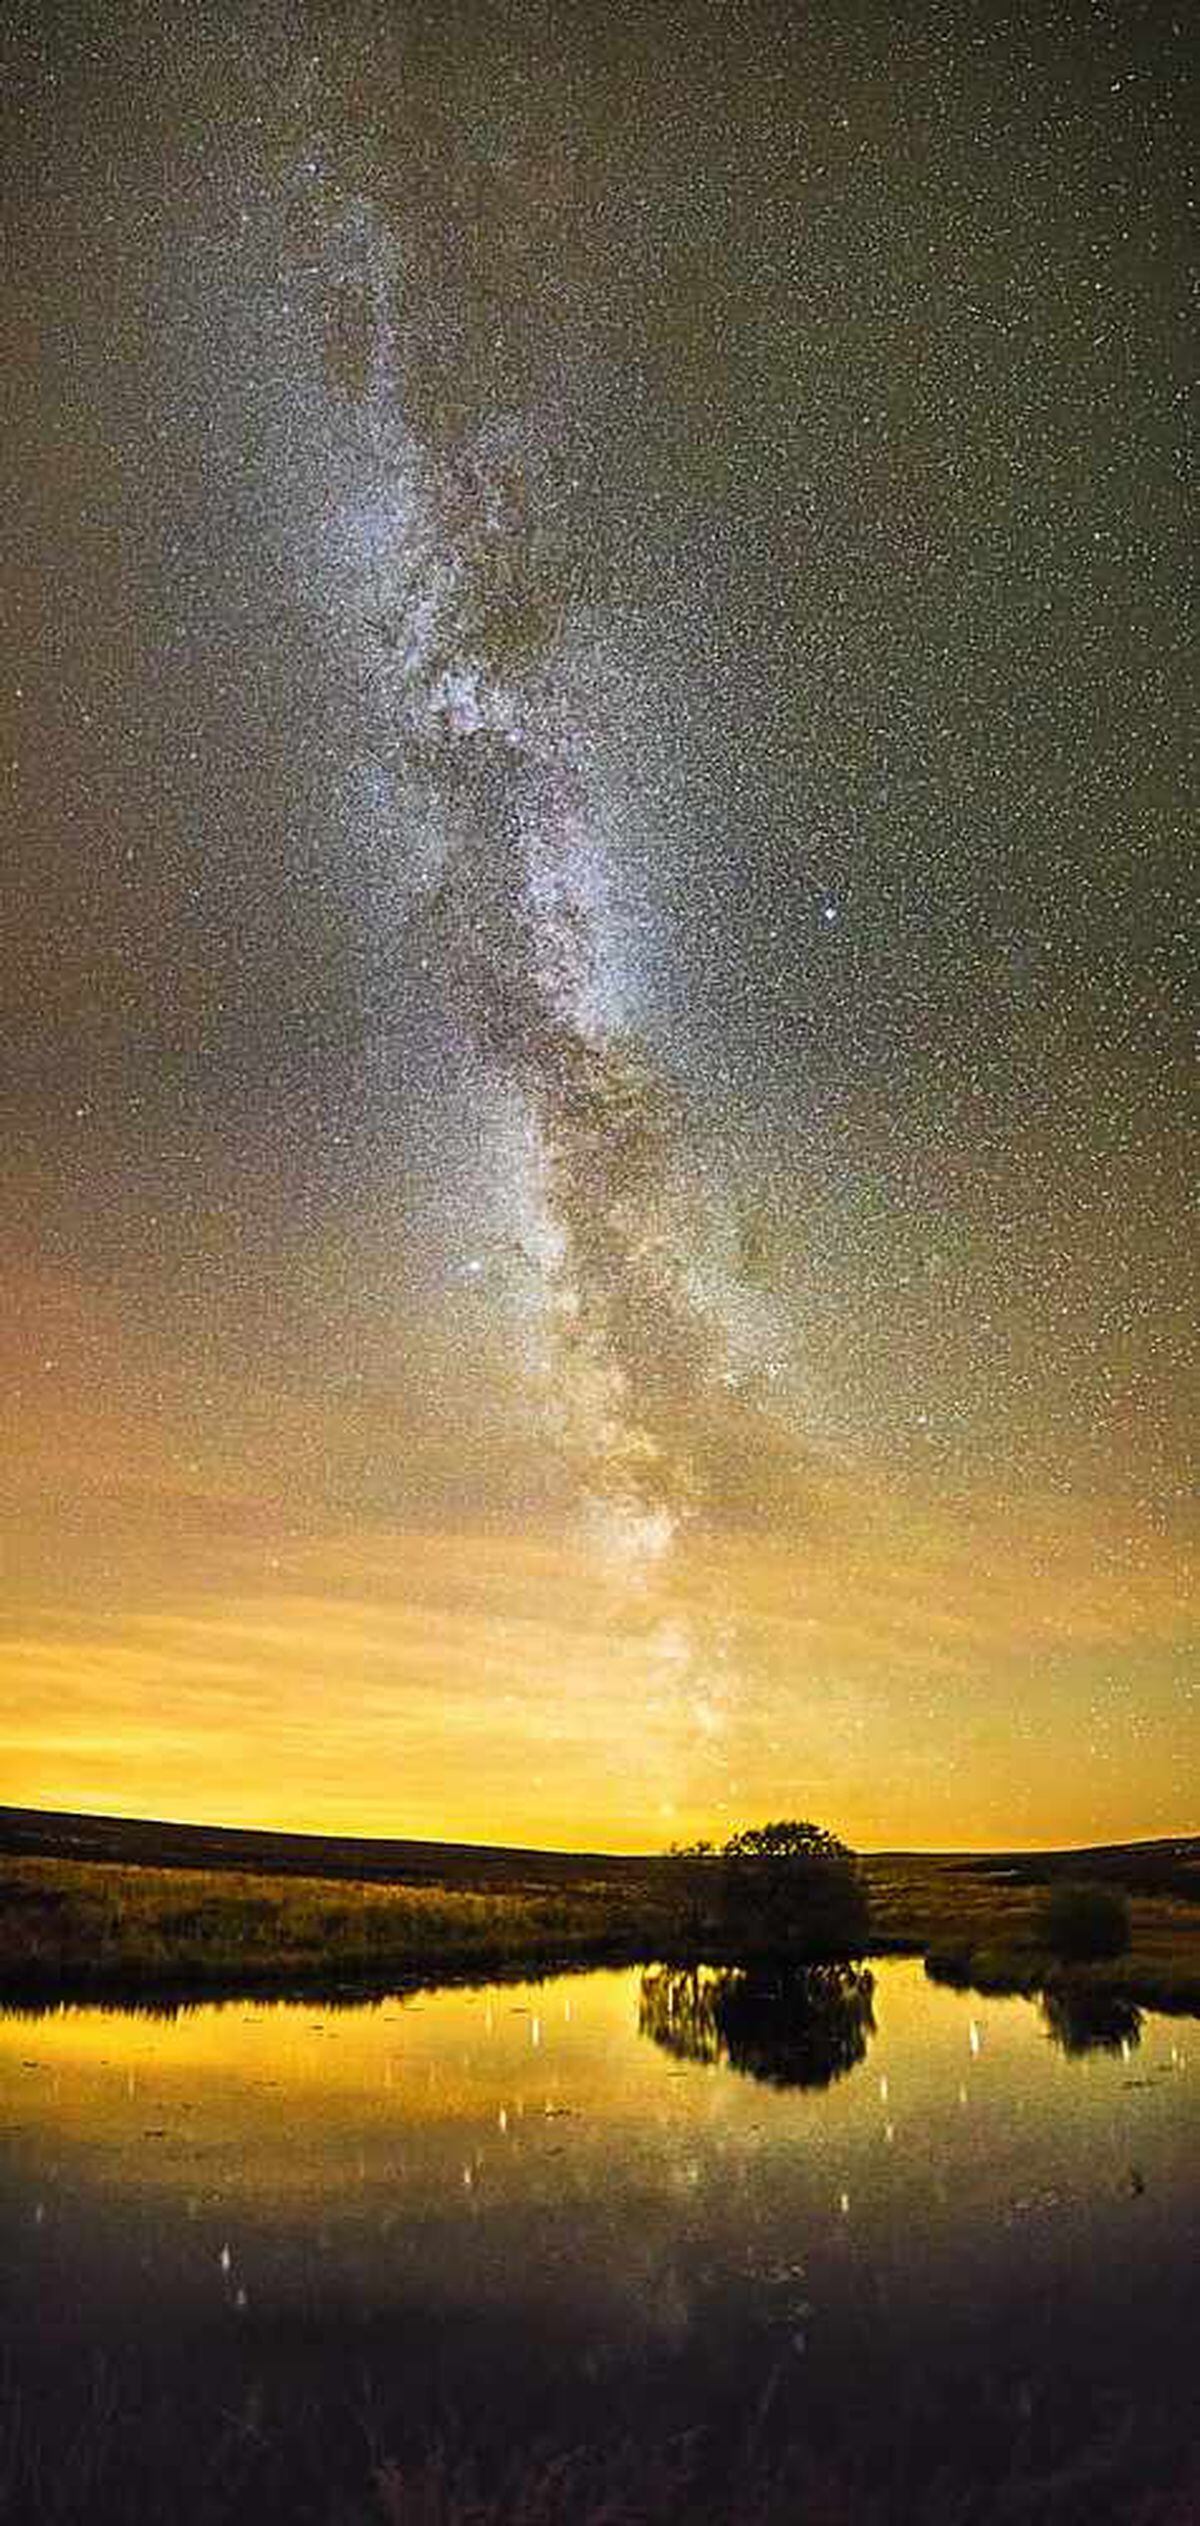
<point>915,2226</point>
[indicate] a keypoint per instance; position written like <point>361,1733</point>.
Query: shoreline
<point>77,1932</point>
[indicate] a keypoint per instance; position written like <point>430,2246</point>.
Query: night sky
<point>597,1003</point>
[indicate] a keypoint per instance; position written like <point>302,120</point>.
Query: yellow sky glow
<point>893,1681</point>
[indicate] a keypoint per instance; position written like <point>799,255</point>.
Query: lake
<point>865,2235</point>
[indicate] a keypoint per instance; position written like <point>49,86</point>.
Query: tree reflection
<point>1084,2020</point>
<point>800,2028</point>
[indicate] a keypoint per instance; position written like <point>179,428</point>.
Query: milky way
<point>472,707</point>
<point>598,1030</point>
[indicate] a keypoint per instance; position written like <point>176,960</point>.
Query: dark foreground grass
<point>261,2456</point>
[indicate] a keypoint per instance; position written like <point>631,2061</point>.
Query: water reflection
<point>1083,2020</point>
<point>806,2027</point>
<point>266,2218</point>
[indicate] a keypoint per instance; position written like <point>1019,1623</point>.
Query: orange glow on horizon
<point>463,1688</point>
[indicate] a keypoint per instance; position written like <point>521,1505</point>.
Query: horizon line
<point>383,1842</point>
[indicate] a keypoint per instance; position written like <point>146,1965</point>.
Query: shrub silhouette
<point>1084,1923</point>
<point>792,1840</point>
<point>792,1887</point>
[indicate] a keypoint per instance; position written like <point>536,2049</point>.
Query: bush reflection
<point>1083,2020</point>
<point>805,2027</point>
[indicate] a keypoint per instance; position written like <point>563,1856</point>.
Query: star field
<point>598,980</point>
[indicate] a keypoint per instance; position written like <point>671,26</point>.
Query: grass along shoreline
<point>98,1930</point>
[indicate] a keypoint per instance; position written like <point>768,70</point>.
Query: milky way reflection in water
<point>596,2202</point>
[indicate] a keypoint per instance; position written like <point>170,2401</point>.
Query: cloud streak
<point>493,1687</point>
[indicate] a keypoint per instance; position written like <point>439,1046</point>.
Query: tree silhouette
<point>792,1839</point>
<point>792,1887</point>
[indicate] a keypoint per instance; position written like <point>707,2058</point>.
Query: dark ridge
<point>1168,1865</point>
<point>32,1833</point>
